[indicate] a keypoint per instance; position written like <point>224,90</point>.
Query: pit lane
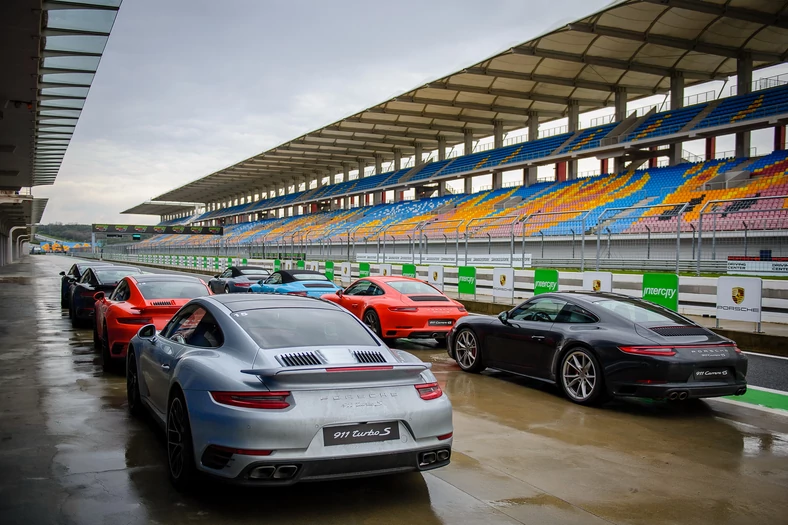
<point>69,453</point>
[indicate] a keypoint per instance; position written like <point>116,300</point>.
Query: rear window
<point>309,277</point>
<point>640,312</point>
<point>113,276</point>
<point>294,327</point>
<point>171,290</point>
<point>413,287</point>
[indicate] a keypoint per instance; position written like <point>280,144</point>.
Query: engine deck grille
<point>430,298</point>
<point>678,331</point>
<point>162,303</point>
<point>366,356</point>
<point>299,359</point>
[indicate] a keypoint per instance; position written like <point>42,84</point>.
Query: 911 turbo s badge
<point>737,294</point>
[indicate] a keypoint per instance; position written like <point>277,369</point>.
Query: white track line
<point>765,355</point>
<point>775,411</point>
<point>770,390</point>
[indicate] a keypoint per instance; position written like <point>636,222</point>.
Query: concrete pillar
<point>743,87</point>
<point>529,176</point>
<point>620,104</point>
<point>377,198</point>
<point>378,163</point>
<point>441,147</point>
<point>419,160</point>
<point>497,180</point>
<point>533,125</point>
<point>711,147</point>
<point>779,138</point>
<point>360,168</point>
<point>497,134</point>
<point>676,102</point>
<point>468,185</point>
<point>467,135</point>
<point>397,159</point>
<point>573,118</point>
<point>345,172</point>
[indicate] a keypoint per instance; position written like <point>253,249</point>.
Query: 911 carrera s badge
<point>737,294</point>
<point>597,285</point>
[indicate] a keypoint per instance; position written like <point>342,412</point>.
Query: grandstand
<point>279,201</point>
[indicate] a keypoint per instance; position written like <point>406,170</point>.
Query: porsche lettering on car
<point>276,389</point>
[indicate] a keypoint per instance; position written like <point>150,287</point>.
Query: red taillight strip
<point>359,368</point>
<point>403,309</point>
<point>429,391</point>
<point>649,350</point>
<point>261,400</point>
<point>134,320</point>
<point>242,451</point>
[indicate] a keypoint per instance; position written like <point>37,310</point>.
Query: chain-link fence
<point>556,239</point>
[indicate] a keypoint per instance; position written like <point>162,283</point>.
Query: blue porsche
<point>295,282</point>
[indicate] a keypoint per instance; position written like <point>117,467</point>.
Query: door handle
<point>165,366</point>
<point>537,337</point>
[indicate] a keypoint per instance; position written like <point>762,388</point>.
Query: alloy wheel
<point>175,436</point>
<point>579,376</point>
<point>371,320</point>
<point>466,349</point>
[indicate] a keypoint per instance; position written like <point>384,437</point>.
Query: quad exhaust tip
<point>678,395</point>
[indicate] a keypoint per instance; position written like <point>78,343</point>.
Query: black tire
<point>106,358</point>
<point>72,314</point>
<point>96,340</point>
<point>581,377</point>
<point>468,351</point>
<point>226,288</point>
<point>133,385</point>
<point>180,450</point>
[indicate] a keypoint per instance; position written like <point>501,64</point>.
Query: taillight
<point>462,309</point>
<point>648,350</point>
<point>404,309</point>
<point>242,285</point>
<point>444,437</point>
<point>738,350</point>
<point>262,400</point>
<point>300,294</point>
<point>135,320</point>
<point>429,391</point>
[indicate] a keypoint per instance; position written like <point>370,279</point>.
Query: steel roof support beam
<point>613,63</point>
<point>667,41</point>
<point>384,133</point>
<point>493,108</point>
<point>559,81</point>
<point>739,13</point>
<point>439,116</point>
<point>536,97</point>
<point>351,135</point>
<point>395,124</point>
<point>353,144</point>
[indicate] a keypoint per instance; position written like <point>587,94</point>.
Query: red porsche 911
<point>136,301</point>
<point>400,307</point>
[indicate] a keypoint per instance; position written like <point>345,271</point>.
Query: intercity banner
<point>466,280</point>
<point>346,277</point>
<point>329,270</point>
<point>545,281</point>
<point>277,265</point>
<point>300,265</point>
<point>503,283</point>
<point>598,281</point>
<point>739,298</point>
<point>167,230</point>
<point>363,269</point>
<point>435,276</point>
<point>384,270</point>
<point>662,289</point>
<point>409,270</point>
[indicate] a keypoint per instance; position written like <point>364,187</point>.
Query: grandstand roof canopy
<point>162,208</point>
<point>637,45</point>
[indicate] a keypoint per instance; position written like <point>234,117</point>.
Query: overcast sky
<point>187,87</point>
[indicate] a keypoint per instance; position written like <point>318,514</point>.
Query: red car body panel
<point>123,319</point>
<point>400,315</point>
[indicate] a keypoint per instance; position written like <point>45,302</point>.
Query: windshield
<point>640,312</point>
<point>293,327</point>
<point>253,271</point>
<point>309,277</point>
<point>413,287</point>
<point>171,290</point>
<point>113,276</point>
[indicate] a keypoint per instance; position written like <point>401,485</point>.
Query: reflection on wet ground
<point>69,453</point>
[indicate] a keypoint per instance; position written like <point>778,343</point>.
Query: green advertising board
<point>229,262</point>
<point>363,269</point>
<point>409,270</point>
<point>244,261</point>
<point>277,265</point>
<point>662,289</point>
<point>330,270</point>
<point>216,263</point>
<point>466,280</point>
<point>205,262</point>
<point>545,281</point>
<point>301,264</point>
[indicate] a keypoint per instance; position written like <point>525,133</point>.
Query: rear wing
<point>328,375</point>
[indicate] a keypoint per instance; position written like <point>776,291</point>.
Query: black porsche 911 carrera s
<point>596,345</point>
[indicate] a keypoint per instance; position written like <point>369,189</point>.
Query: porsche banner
<point>739,298</point>
<point>166,230</point>
<point>503,283</point>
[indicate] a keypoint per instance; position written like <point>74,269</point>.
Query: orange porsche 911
<point>136,301</point>
<point>400,307</point>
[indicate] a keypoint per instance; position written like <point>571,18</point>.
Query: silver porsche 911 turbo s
<point>273,390</point>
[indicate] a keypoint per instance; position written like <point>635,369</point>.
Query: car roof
<point>162,277</point>
<point>248,268</point>
<point>291,272</point>
<point>246,301</point>
<point>391,278</point>
<point>588,296</point>
<point>114,267</point>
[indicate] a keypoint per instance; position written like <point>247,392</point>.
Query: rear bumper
<point>417,326</point>
<point>342,468</point>
<point>694,390</point>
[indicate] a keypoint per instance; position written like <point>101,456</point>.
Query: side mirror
<point>504,317</point>
<point>216,276</point>
<point>147,331</point>
<point>63,273</point>
<point>98,296</point>
<point>340,293</point>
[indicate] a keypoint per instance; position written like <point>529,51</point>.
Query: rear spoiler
<point>343,369</point>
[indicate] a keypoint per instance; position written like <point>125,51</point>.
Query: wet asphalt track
<point>69,453</point>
